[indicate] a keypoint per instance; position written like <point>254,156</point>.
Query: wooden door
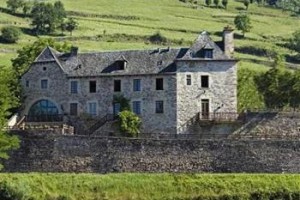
<point>205,108</point>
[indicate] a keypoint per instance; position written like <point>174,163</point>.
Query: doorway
<point>204,108</point>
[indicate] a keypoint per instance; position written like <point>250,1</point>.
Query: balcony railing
<point>44,118</point>
<point>220,116</point>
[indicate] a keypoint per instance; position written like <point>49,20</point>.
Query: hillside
<point>101,22</point>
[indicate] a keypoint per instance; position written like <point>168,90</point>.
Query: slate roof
<point>137,61</point>
<point>203,42</point>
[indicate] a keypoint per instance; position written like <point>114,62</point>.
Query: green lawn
<point>174,19</point>
<point>152,186</point>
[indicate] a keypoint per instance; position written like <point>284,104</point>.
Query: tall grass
<point>153,186</point>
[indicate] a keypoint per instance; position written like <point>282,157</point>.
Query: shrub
<point>10,34</point>
<point>158,38</point>
<point>9,192</point>
<point>129,123</point>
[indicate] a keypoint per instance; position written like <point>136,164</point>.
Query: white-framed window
<point>136,85</point>
<point>44,84</point>
<point>92,108</point>
<point>74,87</point>
<point>136,107</point>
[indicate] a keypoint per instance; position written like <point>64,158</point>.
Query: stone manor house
<point>168,88</point>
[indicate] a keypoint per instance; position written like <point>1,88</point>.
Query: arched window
<point>43,110</point>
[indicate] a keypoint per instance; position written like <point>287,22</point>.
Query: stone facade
<point>106,155</point>
<point>180,101</point>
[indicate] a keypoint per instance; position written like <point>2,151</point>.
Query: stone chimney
<point>74,51</point>
<point>228,41</point>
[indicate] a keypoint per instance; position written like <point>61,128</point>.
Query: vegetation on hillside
<point>150,186</point>
<point>7,102</point>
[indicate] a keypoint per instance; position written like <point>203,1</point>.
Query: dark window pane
<point>44,84</point>
<point>188,79</point>
<point>159,84</point>
<point>204,81</point>
<point>93,86</point>
<point>159,106</point>
<point>73,109</point>
<point>208,53</point>
<point>117,85</point>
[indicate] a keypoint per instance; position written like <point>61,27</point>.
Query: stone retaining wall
<point>103,155</point>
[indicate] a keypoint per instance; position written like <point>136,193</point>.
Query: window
<point>136,107</point>
<point>159,107</point>
<point>189,79</point>
<point>204,81</point>
<point>136,84</point>
<point>117,85</point>
<point>117,108</point>
<point>44,84</point>
<point>74,87</point>
<point>208,53</point>
<point>93,86</point>
<point>159,84</point>
<point>27,83</point>
<point>73,109</point>
<point>92,108</point>
<point>121,64</point>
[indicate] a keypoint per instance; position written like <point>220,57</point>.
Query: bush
<point>8,192</point>
<point>130,123</point>
<point>158,38</point>
<point>10,34</point>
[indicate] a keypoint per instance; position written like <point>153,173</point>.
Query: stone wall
<point>60,94</point>
<point>104,155</point>
<point>221,93</point>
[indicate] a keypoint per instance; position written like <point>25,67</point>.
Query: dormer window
<point>121,64</point>
<point>208,53</point>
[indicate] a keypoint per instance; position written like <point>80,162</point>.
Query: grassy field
<point>174,19</point>
<point>152,186</point>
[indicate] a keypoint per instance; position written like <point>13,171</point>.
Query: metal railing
<point>44,118</point>
<point>220,116</point>
<point>100,122</point>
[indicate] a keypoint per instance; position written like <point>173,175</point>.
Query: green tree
<point>208,2</point>
<point>43,18</point>
<point>246,3</point>
<point>71,25</point>
<point>26,8</point>
<point>60,13</point>
<point>27,54</point>
<point>10,34</point>
<point>225,3</point>
<point>216,2</point>
<point>243,23</point>
<point>130,123</point>
<point>7,102</point>
<point>14,5</point>
<point>294,42</point>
